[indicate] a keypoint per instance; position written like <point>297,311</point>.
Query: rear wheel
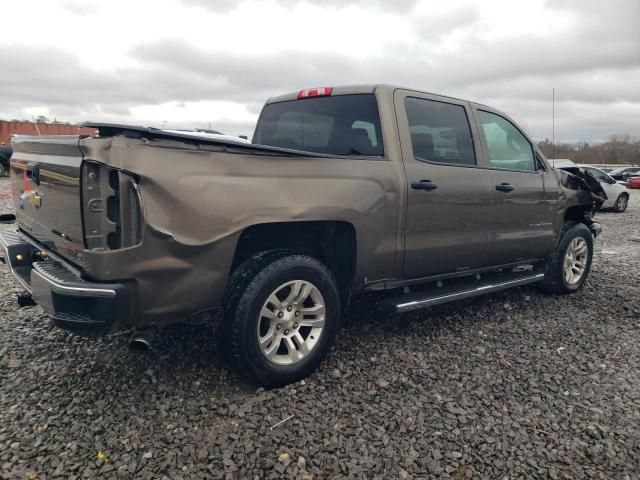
<point>621,203</point>
<point>567,268</point>
<point>281,321</point>
<point>2,172</point>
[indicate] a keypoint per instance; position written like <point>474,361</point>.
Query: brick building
<point>29,128</point>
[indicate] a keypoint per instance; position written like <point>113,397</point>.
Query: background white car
<point>617,194</point>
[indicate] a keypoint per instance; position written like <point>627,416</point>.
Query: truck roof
<point>359,89</point>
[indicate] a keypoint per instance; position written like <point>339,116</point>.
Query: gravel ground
<point>510,385</point>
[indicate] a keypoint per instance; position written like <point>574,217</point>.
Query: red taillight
<point>315,92</point>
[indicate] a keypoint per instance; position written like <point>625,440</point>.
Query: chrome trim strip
<point>61,288</point>
<point>405,307</point>
<point>53,284</point>
<point>62,160</point>
<point>50,253</point>
<point>7,261</point>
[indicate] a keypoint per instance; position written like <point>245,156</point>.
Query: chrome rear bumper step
<point>460,289</point>
<point>71,301</point>
<point>16,253</point>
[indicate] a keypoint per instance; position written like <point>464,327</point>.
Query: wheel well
<point>578,213</point>
<point>331,242</point>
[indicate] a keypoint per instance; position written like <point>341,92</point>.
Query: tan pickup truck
<point>343,190</point>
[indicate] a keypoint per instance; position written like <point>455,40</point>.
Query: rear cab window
<point>333,125</point>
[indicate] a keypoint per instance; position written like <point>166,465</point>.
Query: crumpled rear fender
<point>197,200</point>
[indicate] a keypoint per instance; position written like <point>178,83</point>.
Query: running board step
<point>459,289</point>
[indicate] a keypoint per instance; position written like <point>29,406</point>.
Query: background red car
<point>633,182</point>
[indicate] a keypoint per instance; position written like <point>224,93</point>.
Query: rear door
<point>448,218</point>
<point>523,218</point>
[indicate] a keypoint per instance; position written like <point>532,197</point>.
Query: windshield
<point>340,125</point>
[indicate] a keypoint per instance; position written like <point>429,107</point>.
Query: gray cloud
<point>438,25</point>
<point>48,75</point>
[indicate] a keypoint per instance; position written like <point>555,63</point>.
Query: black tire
<point>2,171</point>
<point>620,206</point>
<point>249,287</point>
<point>554,278</point>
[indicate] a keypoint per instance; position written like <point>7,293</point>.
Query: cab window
<point>346,125</point>
<point>440,132</point>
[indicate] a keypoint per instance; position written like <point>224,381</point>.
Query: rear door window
<point>338,125</point>
<point>440,132</point>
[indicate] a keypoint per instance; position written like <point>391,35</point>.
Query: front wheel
<point>621,203</point>
<point>567,268</point>
<point>281,318</point>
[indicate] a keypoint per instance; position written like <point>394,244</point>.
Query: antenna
<point>553,126</point>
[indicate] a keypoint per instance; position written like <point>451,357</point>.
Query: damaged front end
<point>584,197</point>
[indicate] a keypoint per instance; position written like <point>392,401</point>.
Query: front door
<point>448,216</point>
<point>522,218</point>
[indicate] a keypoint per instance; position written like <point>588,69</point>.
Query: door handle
<point>424,185</point>
<point>504,187</point>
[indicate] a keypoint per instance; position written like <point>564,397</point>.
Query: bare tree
<point>620,148</point>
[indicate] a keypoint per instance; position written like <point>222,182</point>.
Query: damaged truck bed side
<point>343,190</point>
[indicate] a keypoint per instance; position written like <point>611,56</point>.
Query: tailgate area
<point>45,184</point>
<point>73,303</point>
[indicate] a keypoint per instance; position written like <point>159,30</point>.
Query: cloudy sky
<point>186,63</point>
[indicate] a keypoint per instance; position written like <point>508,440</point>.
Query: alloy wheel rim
<point>291,322</point>
<point>622,203</point>
<point>575,260</point>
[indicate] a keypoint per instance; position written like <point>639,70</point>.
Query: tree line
<point>623,149</point>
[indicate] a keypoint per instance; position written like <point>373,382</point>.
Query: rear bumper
<point>72,303</point>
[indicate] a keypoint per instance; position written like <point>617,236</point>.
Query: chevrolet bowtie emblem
<point>35,199</point>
